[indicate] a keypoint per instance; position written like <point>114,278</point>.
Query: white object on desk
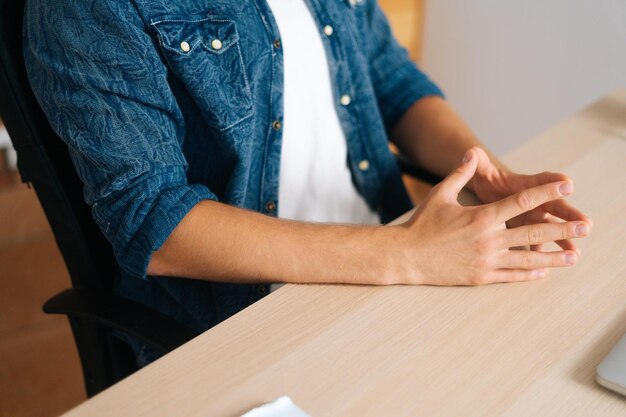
<point>282,407</point>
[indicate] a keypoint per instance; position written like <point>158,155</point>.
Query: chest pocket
<point>205,55</point>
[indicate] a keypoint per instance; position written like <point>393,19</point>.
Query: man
<point>183,118</point>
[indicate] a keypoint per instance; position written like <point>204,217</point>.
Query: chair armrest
<point>409,168</point>
<point>152,327</point>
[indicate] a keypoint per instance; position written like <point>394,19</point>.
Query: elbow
<point>158,265</point>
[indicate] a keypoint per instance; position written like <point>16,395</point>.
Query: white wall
<point>513,68</point>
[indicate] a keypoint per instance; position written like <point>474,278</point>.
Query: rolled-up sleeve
<point>397,80</point>
<point>99,78</point>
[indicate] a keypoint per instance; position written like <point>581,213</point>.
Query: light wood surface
<point>527,349</point>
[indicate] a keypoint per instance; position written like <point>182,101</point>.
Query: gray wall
<point>513,68</point>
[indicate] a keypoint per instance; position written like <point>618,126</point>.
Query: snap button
<point>185,46</point>
<point>345,100</point>
<point>277,43</point>
<point>270,206</point>
<point>216,44</point>
<point>364,165</point>
<point>276,125</point>
<point>328,30</point>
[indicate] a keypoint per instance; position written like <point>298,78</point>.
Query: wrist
<point>336,254</point>
<point>397,263</point>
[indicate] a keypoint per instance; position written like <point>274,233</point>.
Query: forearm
<point>434,136</point>
<point>218,242</point>
<point>443,243</point>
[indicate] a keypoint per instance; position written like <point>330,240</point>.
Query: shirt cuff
<point>144,216</point>
<point>410,85</point>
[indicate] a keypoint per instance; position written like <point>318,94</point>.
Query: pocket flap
<point>185,36</point>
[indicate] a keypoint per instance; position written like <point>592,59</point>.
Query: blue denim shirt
<point>157,118</point>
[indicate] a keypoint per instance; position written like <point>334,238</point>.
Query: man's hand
<point>492,183</point>
<point>445,243</point>
<point>434,136</point>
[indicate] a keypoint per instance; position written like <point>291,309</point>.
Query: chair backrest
<point>43,161</point>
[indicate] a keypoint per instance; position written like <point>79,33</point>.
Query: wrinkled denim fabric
<point>154,125</point>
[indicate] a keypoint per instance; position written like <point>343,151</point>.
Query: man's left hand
<point>492,183</point>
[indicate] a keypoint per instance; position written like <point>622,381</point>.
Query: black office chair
<point>43,161</point>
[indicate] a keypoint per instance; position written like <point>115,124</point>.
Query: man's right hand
<point>445,243</point>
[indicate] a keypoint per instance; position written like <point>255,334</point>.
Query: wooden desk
<point>527,349</point>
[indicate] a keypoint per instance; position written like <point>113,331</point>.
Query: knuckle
<point>483,247</point>
<point>567,231</point>
<point>524,200</point>
<point>480,263</point>
<point>545,177</point>
<point>483,218</point>
<point>535,234</point>
<point>527,261</point>
<point>477,280</point>
<point>461,169</point>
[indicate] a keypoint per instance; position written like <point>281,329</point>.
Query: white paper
<point>282,407</point>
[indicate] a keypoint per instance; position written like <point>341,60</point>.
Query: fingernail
<point>467,157</point>
<point>578,251</point>
<point>539,273</point>
<point>570,259</point>
<point>566,188</point>
<point>581,229</point>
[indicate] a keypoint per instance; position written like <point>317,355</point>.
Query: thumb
<point>452,185</point>
<point>484,164</point>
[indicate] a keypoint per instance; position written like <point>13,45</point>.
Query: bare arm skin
<point>435,137</point>
<point>442,244</point>
<point>224,243</point>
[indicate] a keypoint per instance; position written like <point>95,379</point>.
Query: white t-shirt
<point>315,182</point>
